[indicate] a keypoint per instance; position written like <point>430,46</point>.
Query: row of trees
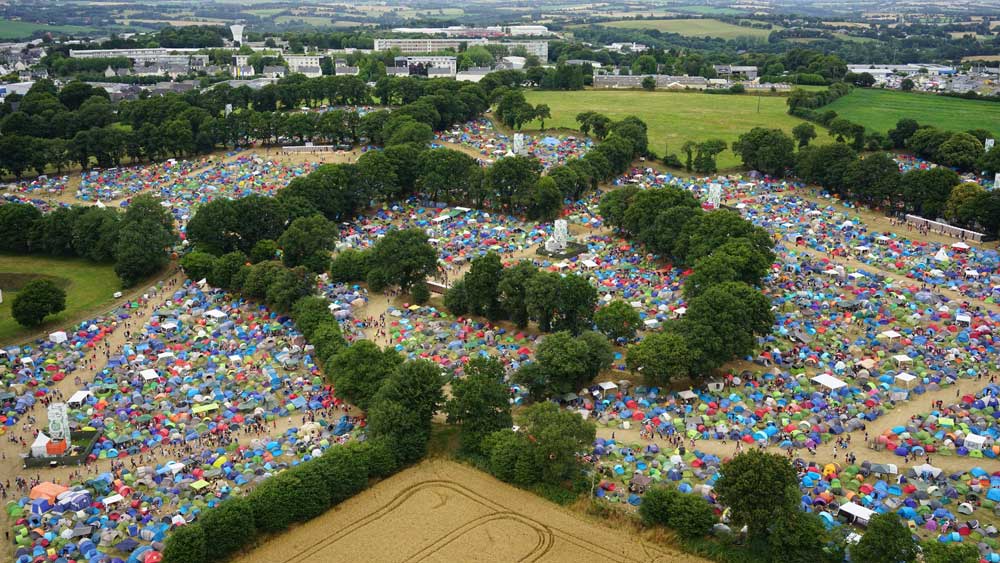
<point>875,179</point>
<point>521,293</point>
<point>53,128</point>
<point>730,257</point>
<point>137,241</point>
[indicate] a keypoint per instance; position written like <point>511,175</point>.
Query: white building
<point>304,64</point>
<point>415,46</point>
<point>443,63</point>
<point>531,30</point>
<point>883,72</point>
<point>539,49</point>
<point>136,55</point>
<point>627,47</point>
<point>736,72</point>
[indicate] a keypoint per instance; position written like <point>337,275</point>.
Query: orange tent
<point>47,490</point>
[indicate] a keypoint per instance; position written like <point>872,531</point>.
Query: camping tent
<point>829,381</point>
<point>856,513</point>
<point>38,446</point>
<point>47,490</point>
<point>78,398</point>
<point>905,378</point>
<point>976,442</point>
<point>57,337</point>
<point>607,386</point>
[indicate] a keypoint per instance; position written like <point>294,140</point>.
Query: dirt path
<point>899,416</point>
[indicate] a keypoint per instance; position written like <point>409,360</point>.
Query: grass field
<point>10,29</point>
<point>699,27</point>
<point>673,117</point>
<point>881,109</point>
<point>87,285</point>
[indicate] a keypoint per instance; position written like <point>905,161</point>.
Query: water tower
<point>237,31</point>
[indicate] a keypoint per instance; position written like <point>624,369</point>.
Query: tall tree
<point>759,488</point>
<point>480,403</point>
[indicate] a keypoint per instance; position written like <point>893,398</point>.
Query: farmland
<point>443,511</point>
<point>698,27</point>
<point>879,110</point>
<point>10,29</point>
<point>673,117</point>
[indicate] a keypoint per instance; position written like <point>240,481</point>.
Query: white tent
<point>901,359</point>
<point>78,398</point>
<point>857,513</point>
<point>215,314</point>
<point>108,501</point>
<point>890,334</point>
<point>590,264</point>
<point>57,337</point>
<point>38,446</point>
<point>963,319</point>
<point>976,442</point>
<point>829,381</point>
<point>607,386</point>
<point>960,246</point>
<point>149,374</point>
<point>687,395</point>
<point>927,468</point>
<point>906,378</point>
<point>941,255</point>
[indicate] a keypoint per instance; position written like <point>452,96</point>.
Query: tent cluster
<point>929,500</point>
<point>808,226</point>
<point>908,162</point>
<point>29,371</point>
<point>55,185</point>
<point>967,427</point>
<point>204,363</point>
<point>243,176</point>
<point>459,233</point>
<point>430,334</point>
<point>116,183</point>
<point>628,470</point>
<point>43,205</point>
<point>130,516</point>
<point>549,150</point>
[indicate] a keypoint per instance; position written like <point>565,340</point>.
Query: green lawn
<point>880,110</point>
<point>699,27</point>
<point>673,117</point>
<point>10,29</point>
<point>88,286</point>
